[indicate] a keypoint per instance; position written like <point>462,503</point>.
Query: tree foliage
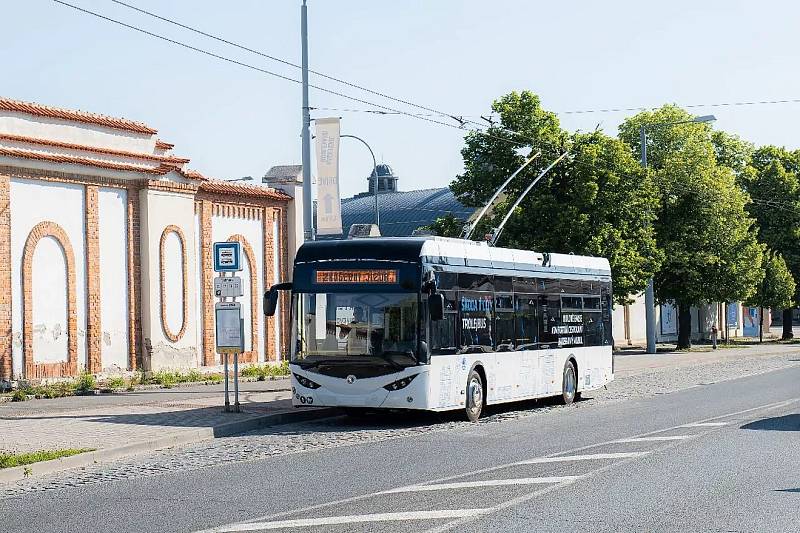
<point>597,201</point>
<point>446,226</point>
<point>710,243</point>
<point>773,182</point>
<point>777,289</point>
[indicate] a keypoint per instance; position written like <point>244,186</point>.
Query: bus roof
<point>451,252</point>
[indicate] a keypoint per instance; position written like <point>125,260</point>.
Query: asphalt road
<point>719,457</point>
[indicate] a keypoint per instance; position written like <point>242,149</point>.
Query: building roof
<point>403,212</point>
<point>284,172</point>
<point>86,148</point>
<point>30,108</point>
<point>227,187</point>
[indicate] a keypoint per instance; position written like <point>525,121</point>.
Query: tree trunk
<point>684,326</point>
<point>761,324</point>
<point>787,325</point>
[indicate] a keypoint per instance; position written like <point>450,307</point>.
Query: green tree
<point>597,201</point>
<point>773,182</point>
<point>709,241</point>
<point>446,226</point>
<point>776,290</point>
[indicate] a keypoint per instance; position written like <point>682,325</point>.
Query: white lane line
<point>585,457</point>
<point>654,439</point>
<point>483,483</point>
<point>351,519</point>
<point>705,425</point>
<point>769,406</point>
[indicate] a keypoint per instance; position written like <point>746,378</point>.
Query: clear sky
<point>452,55</point>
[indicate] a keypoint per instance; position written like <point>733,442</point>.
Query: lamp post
<point>374,176</point>
<point>649,295</point>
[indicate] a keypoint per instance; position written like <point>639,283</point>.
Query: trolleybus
<point>439,324</point>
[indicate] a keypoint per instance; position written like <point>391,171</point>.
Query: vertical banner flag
<point>329,206</point>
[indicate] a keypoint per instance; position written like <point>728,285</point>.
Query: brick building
<point>105,259</point>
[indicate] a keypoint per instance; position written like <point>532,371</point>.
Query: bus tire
<point>475,396</point>
<point>569,383</point>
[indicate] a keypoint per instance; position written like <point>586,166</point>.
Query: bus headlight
<point>400,383</point>
<point>305,382</point>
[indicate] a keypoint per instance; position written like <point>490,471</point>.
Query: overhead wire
<point>379,109</point>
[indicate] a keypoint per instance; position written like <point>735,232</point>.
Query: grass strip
<point>9,460</point>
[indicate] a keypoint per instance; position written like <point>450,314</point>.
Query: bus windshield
<point>347,324</point>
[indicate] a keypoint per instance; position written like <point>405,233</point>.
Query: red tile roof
<point>161,145</point>
<point>71,146</point>
<point>8,104</point>
<point>226,187</point>
<point>162,169</point>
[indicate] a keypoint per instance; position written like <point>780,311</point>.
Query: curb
<point>17,473</point>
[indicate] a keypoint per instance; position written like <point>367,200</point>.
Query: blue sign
<point>227,257</point>
<point>733,315</point>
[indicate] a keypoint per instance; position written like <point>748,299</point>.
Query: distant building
<point>400,212</point>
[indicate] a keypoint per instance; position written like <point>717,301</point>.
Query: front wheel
<point>475,396</point>
<point>569,384</point>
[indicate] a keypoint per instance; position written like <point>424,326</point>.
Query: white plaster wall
<point>33,202</point>
<point>221,229</point>
<point>173,281</point>
<point>160,209</point>
<point>638,320</point>
<point>113,237</point>
<point>276,275</point>
<point>75,132</point>
<point>50,340</point>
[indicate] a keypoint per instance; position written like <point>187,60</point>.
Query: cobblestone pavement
<point>341,431</point>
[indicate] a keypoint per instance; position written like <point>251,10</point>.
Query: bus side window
<point>527,321</point>
<point>443,332</point>
<point>549,318</point>
<point>476,313</point>
<point>504,322</point>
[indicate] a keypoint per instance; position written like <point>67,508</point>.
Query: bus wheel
<point>569,384</point>
<point>475,396</point>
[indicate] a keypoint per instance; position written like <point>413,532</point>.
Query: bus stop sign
<point>227,257</point>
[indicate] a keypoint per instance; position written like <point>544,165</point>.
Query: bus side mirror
<point>270,302</point>
<point>436,306</point>
<point>271,297</point>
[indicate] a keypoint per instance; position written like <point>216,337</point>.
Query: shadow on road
<point>777,423</point>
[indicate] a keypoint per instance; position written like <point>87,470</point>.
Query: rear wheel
<point>569,385</point>
<point>475,396</point>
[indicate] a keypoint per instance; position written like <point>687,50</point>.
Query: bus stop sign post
<point>228,314</point>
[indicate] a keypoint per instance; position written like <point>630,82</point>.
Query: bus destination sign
<point>356,276</point>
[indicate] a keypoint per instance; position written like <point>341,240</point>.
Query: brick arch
<point>252,355</point>
<point>42,370</point>
<point>168,333</point>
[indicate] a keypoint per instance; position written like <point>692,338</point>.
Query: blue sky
<point>453,55</point>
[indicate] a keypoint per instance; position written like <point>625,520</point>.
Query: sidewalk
<point>118,425</point>
<point>633,361</point>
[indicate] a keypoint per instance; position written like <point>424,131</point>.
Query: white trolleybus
<point>440,324</point>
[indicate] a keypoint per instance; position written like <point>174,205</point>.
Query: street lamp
<point>649,296</point>
<point>374,176</point>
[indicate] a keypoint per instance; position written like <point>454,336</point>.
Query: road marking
<point>351,519</point>
<point>587,457</point>
<point>653,439</point>
<point>515,501</point>
<point>483,483</point>
<point>705,425</point>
